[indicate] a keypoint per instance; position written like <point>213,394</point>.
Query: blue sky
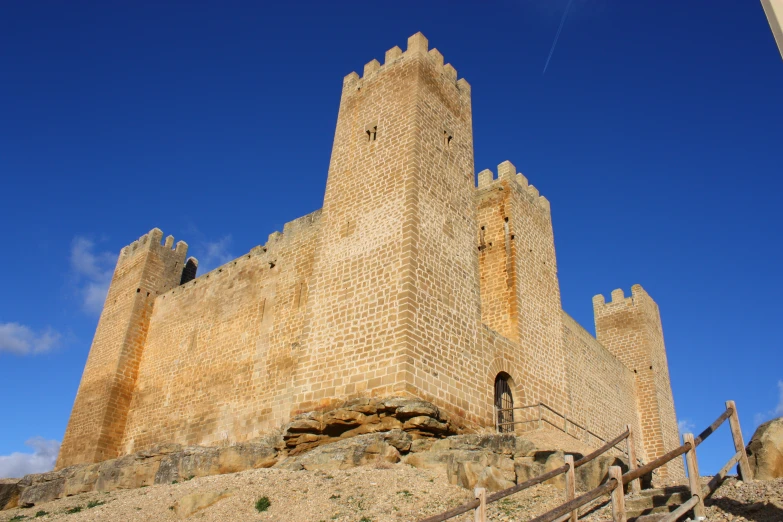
<point>655,133</point>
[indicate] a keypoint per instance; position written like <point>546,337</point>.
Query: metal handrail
<point>541,419</point>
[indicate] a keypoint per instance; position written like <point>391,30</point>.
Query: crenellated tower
<point>520,291</point>
<point>144,269</point>
<point>630,328</point>
<point>395,288</point>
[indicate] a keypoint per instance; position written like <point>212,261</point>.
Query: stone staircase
<point>652,504</point>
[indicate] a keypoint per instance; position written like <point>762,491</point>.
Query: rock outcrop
<point>9,493</point>
<point>362,416</point>
<point>765,450</point>
<point>379,432</point>
<point>397,421</point>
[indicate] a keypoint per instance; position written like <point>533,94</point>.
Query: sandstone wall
<point>601,389</point>
<point>144,269</point>
<point>520,288</point>
<point>630,328</point>
<point>218,363</point>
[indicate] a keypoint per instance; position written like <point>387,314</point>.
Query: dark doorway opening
<point>504,402</point>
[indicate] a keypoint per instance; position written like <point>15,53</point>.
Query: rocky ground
<point>758,501</point>
<point>365,494</point>
<point>372,493</point>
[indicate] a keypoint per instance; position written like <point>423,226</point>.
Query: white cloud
<point>760,418</point>
<point>686,426</point>
<point>93,271</point>
<point>22,340</point>
<point>42,459</point>
<point>213,254</point>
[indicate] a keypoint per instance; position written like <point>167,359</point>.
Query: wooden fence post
<point>618,495</point>
<point>570,480</point>
<point>739,443</point>
<point>632,463</point>
<point>481,510</point>
<point>694,480</point>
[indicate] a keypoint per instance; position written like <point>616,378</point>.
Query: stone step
<point>644,502</point>
<point>653,504</point>
<point>664,491</point>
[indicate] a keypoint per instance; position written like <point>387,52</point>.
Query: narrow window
<point>504,403</point>
<point>446,139</point>
<point>372,132</point>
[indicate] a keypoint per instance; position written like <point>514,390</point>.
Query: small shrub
<point>405,493</point>
<point>17,517</point>
<point>262,504</point>
<point>175,481</point>
<point>41,513</point>
<point>74,509</point>
<point>365,519</point>
<point>95,503</point>
<point>191,477</point>
<point>171,508</point>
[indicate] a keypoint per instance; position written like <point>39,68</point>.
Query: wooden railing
<point>479,505</point>
<point>614,486</point>
<point>617,480</point>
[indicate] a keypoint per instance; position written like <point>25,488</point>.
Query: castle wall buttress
<point>630,328</point>
<point>144,269</point>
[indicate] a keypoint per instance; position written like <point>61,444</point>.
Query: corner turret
<point>145,269</point>
<point>630,328</point>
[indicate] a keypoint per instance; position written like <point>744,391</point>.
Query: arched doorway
<point>504,402</point>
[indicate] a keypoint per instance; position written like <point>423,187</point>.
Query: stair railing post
<point>540,417</point>
<point>694,481</point>
<point>632,463</point>
<point>739,443</point>
<point>481,510</point>
<point>618,495</point>
<point>570,479</point>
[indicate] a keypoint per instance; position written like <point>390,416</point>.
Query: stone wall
<point>218,361</point>
<point>630,328</point>
<point>145,269</point>
<point>601,389</point>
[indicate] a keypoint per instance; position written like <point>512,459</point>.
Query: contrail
<point>552,50</point>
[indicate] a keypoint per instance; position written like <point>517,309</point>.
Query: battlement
<point>507,171</point>
<point>268,254</point>
<point>638,294</point>
<point>417,45</point>
<point>150,240</point>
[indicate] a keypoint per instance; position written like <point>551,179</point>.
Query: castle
<point>411,280</point>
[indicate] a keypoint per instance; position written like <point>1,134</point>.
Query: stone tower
<point>395,286</point>
<point>144,269</point>
<point>630,328</point>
